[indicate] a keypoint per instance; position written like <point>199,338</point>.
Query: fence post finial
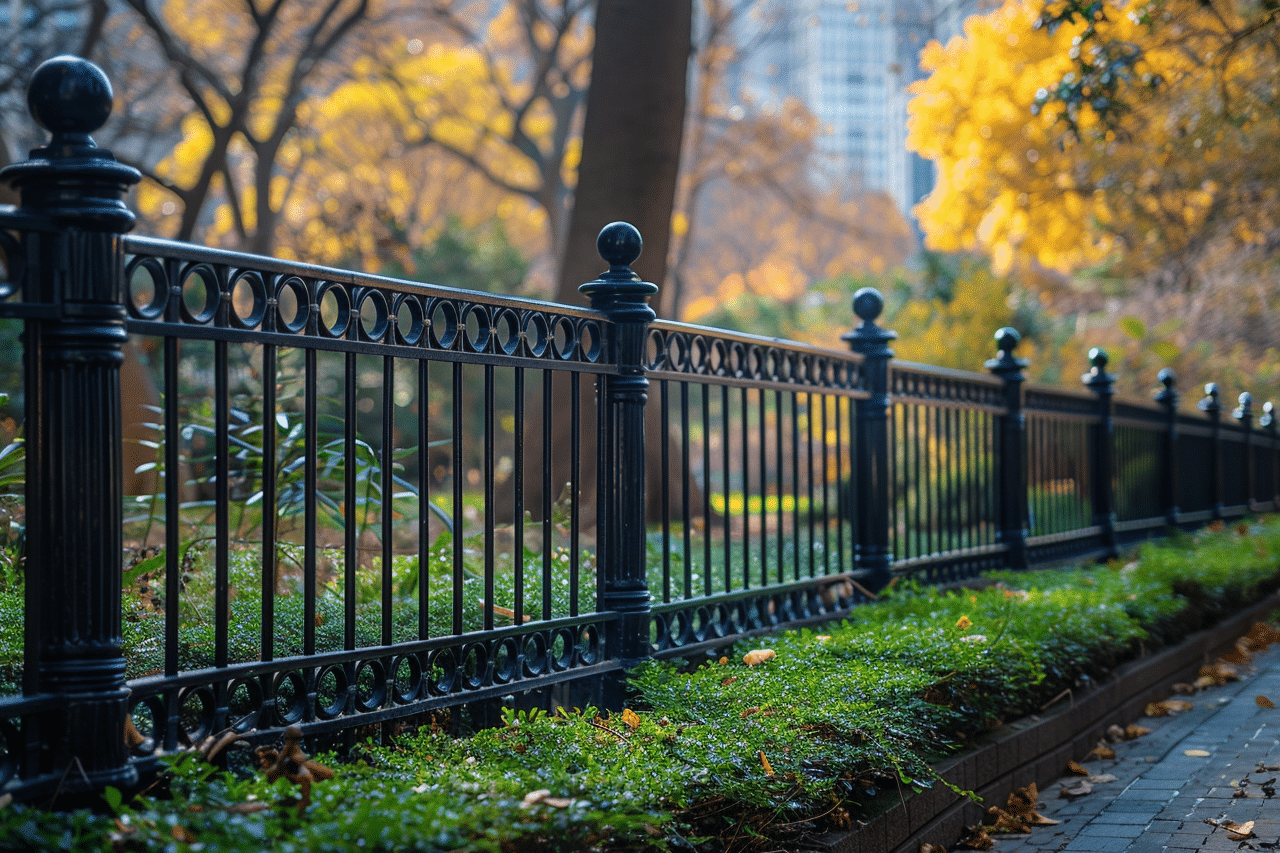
<point>74,436</point>
<point>1211,405</point>
<point>1167,396</point>
<point>1102,449</point>
<point>1012,459</point>
<point>620,549</point>
<point>871,440</point>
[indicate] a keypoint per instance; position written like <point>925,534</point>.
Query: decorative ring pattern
<point>293,690</point>
<point>684,353</point>
<point>249,298</point>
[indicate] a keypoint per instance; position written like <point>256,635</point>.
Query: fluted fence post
<point>1011,458</point>
<point>73,193</point>
<point>1102,451</point>
<point>620,550</point>
<point>871,441</point>
<point>1211,405</point>
<point>1168,397</point>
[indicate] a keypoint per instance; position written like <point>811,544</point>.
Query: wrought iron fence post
<point>871,441</point>
<point>1268,423</point>
<point>1012,457</point>
<point>1244,414</point>
<point>1211,405</point>
<point>620,552</point>
<point>73,192</point>
<point>1103,451</point>
<point>1168,397</point>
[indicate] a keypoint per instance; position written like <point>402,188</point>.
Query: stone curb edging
<point>1037,749</point>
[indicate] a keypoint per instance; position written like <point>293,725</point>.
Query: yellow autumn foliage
<point>1177,168</point>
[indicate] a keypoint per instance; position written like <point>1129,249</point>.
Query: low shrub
<point>837,721</point>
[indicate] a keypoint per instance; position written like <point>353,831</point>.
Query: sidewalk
<point>1162,795</point>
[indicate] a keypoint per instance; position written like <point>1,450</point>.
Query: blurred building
<point>850,62</point>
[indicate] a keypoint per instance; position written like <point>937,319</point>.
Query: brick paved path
<point>1162,795</point>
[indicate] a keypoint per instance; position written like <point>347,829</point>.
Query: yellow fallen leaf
<point>1076,768</point>
<point>1264,702</point>
<point>758,656</point>
<point>963,622</point>
<point>1197,753</point>
<point>1135,731</point>
<point>631,718</point>
<point>764,762</point>
<point>1168,707</point>
<point>1102,751</point>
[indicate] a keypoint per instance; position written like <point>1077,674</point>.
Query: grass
<point>840,722</point>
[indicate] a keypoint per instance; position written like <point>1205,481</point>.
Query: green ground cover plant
<point>838,723</point>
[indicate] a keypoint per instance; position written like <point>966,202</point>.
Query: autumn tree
<point>245,68</point>
<point>1149,186</point>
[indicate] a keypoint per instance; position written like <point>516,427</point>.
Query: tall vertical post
<point>1011,476</point>
<point>622,297</point>
<point>74,456</point>
<point>1102,449</point>
<point>1244,414</point>
<point>871,441</point>
<point>1211,405</point>
<point>1168,397</point>
<point>1268,423</point>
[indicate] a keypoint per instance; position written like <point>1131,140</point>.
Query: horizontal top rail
<point>191,291</point>
<point>944,386</point>
<point>682,350</point>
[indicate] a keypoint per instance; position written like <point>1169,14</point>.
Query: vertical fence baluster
<point>1102,451</point>
<point>74,433</point>
<point>1011,463</point>
<point>1268,423</point>
<point>871,441</point>
<point>620,551</point>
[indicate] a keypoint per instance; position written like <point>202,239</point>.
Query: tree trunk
<point>631,135</point>
<point>631,140</point>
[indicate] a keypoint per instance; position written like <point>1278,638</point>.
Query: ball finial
<point>68,94</point>
<point>867,304</point>
<point>1007,339</point>
<point>1098,358</point>
<point>619,244</point>
<point>1167,377</point>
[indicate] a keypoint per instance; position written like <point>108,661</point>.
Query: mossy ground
<point>724,757</point>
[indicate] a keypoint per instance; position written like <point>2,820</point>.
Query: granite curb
<point>1037,749</point>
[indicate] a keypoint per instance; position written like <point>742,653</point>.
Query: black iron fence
<point>364,499</point>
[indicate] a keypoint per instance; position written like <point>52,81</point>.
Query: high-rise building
<point>851,62</point>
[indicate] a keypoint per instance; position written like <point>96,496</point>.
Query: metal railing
<point>374,498</point>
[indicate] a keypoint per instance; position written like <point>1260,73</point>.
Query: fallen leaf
<point>631,718</point>
<point>1022,803</point>
<point>1078,788</point>
<point>1168,707</point>
<point>1102,778</point>
<point>964,622</point>
<point>1184,689</point>
<point>534,797</point>
<point>1219,672</point>
<point>1005,822</point>
<point>248,808</point>
<point>976,838</point>
<point>1239,655</point>
<point>758,656</point>
<point>1197,753</point>
<point>926,847</point>
<point>754,709</point>
<point>728,681</point>
<point>182,835</point>
<point>723,661</point>
<point>764,762</point>
<point>1134,731</point>
<point>1261,635</point>
<point>557,802</point>
<point>1101,751</point>
<point>1115,734</point>
<point>1264,702</point>
<point>1235,831</point>
<point>1076,768</point>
